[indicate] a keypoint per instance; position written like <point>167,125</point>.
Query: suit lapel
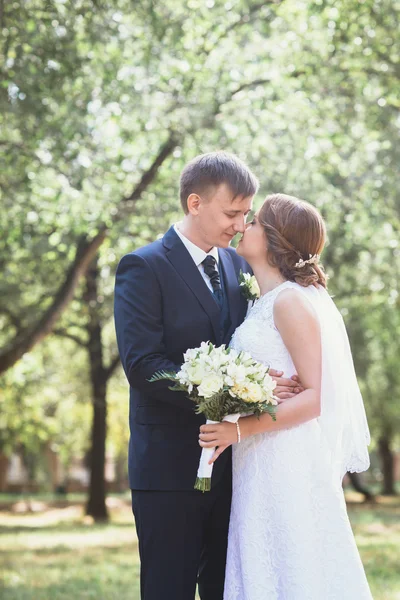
<point>233,290</point>
<point>183,263</point>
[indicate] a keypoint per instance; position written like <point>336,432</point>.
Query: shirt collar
<point>197,254</point>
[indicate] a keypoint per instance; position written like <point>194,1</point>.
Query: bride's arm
<point>298,325</point>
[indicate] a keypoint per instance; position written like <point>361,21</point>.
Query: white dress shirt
<point>198,255</point>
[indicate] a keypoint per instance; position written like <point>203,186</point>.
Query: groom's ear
<point>193,204</point>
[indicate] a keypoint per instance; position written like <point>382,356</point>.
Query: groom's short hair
<point>212,169</point>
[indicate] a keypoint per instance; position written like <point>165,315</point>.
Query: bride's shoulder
<point>294,302</point>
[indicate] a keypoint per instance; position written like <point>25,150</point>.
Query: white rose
<point>241,391</point>
<point>254,392</point>
<point>195,373</point>
<point>210,386</point>
<point>249,392</point>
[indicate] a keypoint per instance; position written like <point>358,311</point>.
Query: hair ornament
<point>314,258</point>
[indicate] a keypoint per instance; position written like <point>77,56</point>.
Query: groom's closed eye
<point>234,214</point>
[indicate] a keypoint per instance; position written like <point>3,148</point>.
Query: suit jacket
<point>163,307</point>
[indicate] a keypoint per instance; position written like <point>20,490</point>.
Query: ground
<point>53,553</point>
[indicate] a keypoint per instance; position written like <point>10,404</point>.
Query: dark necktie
<point>210,269</point>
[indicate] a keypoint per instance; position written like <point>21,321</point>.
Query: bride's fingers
<point>210,444</point>
<point>275,373</point>
<point>208,429</point>
<point>283,381</point>
<point>283,397</point>
<point>206,437</point>
<point>281,389</point>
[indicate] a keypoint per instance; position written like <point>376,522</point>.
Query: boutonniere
<point>249,286</point>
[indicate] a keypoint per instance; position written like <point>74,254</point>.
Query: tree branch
<point>2,21</point>
<point>256,82</point>
<point>13,318</point>
<point>17,145</point>
<point>244,19</point>
<point>166,149</point>
<point>115,362</point>
<point>85,252</point>
<point>249,85</point>
<point>65,334</point>
<point>22,343</point>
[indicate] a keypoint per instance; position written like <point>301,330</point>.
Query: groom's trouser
<point>183,537</point>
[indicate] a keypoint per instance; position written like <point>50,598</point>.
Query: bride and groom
<point>281,531</point>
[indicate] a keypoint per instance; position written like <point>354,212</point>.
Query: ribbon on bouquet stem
<point>204,472</point>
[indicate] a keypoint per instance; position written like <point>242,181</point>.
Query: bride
<point>290,537</point>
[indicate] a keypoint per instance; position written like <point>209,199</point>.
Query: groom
<point>170,296</point>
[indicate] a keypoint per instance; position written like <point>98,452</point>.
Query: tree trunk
<point>4,462</point>
<point>387,461</point>
<point>359,486</point>
<point>96,506</point>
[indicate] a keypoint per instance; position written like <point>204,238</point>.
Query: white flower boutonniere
<point>249,286</point>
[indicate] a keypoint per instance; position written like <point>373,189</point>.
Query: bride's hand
<point>221,435</point>
<point>285,388</point>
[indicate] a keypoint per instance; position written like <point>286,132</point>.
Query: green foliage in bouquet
<point>220,404</point>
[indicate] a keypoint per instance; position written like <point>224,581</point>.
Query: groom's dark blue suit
<point>163,307</point>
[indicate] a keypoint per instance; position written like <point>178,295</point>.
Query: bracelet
<point>238,431</point>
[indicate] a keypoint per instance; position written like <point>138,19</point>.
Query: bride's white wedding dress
<point>290,537</point>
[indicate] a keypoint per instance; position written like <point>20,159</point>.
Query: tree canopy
<point>102,103</point>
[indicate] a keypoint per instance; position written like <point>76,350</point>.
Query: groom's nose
<point>240,224</point>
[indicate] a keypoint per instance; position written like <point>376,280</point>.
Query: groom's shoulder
<point>147,252</point>
<point>143,258</point>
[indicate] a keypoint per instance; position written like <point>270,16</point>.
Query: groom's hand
<point>285,388</point>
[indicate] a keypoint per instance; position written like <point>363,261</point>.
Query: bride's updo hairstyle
<point>296,236</point>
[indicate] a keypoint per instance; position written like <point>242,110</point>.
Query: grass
<point>53,553</point>
<point>377,532</point>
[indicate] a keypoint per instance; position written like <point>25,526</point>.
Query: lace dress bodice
<point>259,336</point>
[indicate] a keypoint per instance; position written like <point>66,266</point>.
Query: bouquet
<point>224,384</point>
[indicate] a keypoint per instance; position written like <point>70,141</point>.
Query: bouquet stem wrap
<point>204,472</point>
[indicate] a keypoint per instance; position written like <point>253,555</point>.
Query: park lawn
<point>57,555</point>
<point>54,554</point>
